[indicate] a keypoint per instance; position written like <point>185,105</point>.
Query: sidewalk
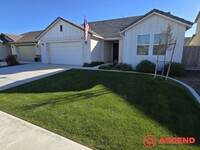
<point>16,134</point>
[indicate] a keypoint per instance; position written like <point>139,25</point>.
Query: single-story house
<point>129,40</point>
<point>5,40</point>
<point>26,48</point>
<point>195,39</point>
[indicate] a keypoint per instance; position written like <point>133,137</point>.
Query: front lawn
<point>105,110</point>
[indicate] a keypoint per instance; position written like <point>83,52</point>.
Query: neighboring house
<point>187,39</point>
<point>195,39</point>
<point>128,40</point>
<point>26,48</point>
<point>5,40</point>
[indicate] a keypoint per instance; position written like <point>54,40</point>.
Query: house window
<point>61,28</point>
<point>143,44</point>
<point>159,38</point>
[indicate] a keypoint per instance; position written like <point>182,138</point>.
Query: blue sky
<point>21,16</point>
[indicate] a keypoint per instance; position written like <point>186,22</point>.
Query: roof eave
<point>188,26</point>
<point>197,17</point>
<point>29,42</point>
<point>7,37</point>
<point>98,36</point>
<point>191,39</point>
<point>112,38</point>
<point>54,22</point>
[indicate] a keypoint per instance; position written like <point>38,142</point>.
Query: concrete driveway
<point>17,75</point>
<point>17,134</point>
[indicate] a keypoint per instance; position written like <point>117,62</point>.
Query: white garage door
<point>26,53</point>
<point>66,53</point>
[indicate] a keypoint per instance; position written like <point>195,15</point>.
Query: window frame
<point>156,44</point>
<point>139,44</point>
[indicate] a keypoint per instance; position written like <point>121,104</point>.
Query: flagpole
<point>86,30</point>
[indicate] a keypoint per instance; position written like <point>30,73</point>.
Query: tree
<point>166,43</point>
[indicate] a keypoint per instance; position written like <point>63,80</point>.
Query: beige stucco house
<point>195,39</point>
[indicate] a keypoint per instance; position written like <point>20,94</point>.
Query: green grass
<point>104,110</point>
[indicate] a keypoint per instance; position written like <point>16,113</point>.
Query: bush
<point>92,64</point>
<point>176,69</point>
<point>125,67</point>
<point>107,67</point>
<point>11,61</point>
<point>122,66</point>
<point>146,67</point>
<point>86,64</point>
<point>115,66</point>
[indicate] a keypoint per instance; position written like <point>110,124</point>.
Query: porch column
<point>121,45</point>
<point>14,51</point>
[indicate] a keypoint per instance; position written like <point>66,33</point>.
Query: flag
<point>86,30</point>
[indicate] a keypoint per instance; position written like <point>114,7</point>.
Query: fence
<point>191,57</point>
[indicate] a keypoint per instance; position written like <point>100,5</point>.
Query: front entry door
<point>115,51</point>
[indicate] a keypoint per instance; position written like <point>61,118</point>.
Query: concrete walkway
<point>17,75</point>
<point>16,134</point>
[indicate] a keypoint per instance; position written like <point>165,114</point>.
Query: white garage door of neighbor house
<point>66,53</point>
<point>26,53</point>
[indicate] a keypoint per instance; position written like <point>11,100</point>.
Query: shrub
<point>146,67</point>
<point>85,64</point>
<point>11,61</point>
<point>115,66</point>
<point>122,66</point>
<point>108,67</point>
<point>126,67</point>
<point>92,64</point>
<point>176,69</point>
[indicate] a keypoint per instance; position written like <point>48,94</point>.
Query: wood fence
<point>191,57</point>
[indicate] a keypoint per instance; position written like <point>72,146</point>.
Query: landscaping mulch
<point>192,78</point>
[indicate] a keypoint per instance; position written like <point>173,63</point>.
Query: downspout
<point>122,51</point>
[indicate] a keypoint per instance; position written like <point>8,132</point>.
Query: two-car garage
<point>70,53</point>
<point>63,43</point>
